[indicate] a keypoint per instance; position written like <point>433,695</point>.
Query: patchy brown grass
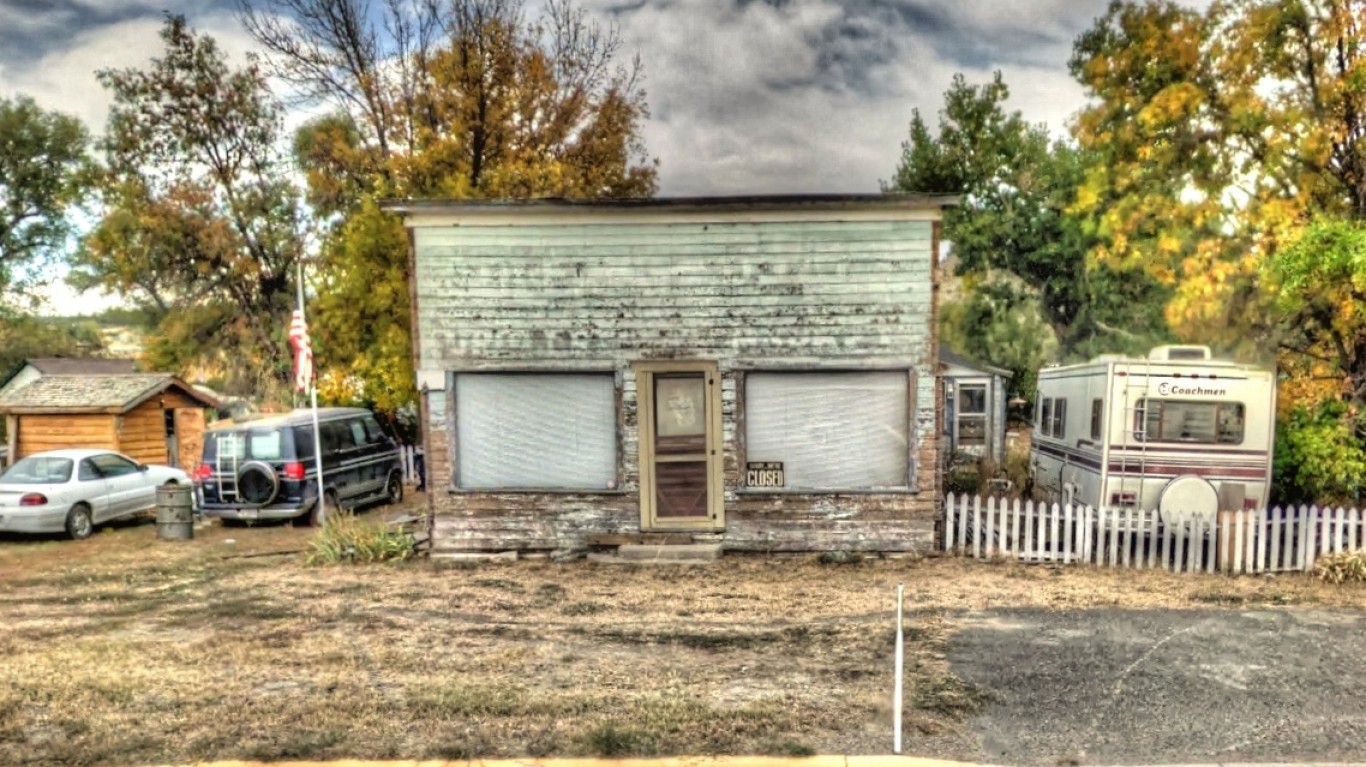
<point>123,649</point>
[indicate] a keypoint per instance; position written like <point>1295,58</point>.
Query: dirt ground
<point>123,649</point>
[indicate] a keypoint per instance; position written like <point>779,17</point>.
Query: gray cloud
<point>747,96</point>
<point>52,50</point>
<point>816,95</point>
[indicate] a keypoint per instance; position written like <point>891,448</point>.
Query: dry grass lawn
<point>128,650</point>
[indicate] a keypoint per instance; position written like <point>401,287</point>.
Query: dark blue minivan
<point>264,468</point>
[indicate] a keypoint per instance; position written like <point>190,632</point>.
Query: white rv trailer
<point>1178,432</point>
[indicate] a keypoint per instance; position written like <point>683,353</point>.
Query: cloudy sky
<point>747,96</point>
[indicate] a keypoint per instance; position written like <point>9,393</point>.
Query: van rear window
<point>259,445</point>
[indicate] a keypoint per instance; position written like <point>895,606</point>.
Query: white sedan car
<point>74,490</point>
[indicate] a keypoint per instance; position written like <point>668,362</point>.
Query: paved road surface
<point>1167,686</point>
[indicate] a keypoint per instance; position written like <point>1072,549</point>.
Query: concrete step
<point>604,558</point>
<point>705,552</point>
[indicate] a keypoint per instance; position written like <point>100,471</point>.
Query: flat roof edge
<point>831,201</point>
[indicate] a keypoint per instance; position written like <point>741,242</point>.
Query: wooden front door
<point>680,451</point>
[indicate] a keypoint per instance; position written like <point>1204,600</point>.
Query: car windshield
<point>38,470</point>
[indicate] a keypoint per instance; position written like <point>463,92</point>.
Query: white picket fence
<point>1253,541</point>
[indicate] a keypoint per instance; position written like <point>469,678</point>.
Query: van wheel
<point>393,491</point>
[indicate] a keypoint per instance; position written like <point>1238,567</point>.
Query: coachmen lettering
<point>1167,389</point>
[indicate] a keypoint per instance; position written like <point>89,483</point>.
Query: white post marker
<point>896,684</point>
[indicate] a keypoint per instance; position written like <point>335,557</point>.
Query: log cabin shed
<point>150,417</point>
<point>757,372</point>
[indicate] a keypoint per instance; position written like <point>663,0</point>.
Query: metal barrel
<point>175,512</point>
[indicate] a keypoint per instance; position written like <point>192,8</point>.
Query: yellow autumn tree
<point>1223,133</point>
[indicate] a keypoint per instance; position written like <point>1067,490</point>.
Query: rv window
<point>1046,418</point>
<point>1060,418</point>
<point>1096,410</point>
<point>1187,421</point>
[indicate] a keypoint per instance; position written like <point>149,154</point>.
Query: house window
<point>1096,411</point>
<point>1046,417</point>
<point>548,431</point>
<point>972,415</point>
<point>831,431</point>
<point>1060,418</point>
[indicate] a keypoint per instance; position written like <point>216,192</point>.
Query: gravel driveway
<point>1166,686</point>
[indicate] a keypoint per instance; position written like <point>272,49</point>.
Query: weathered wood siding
<point>189,427</point>
<point>142,433</point>
<point>751,295</point>
<point>56,432</point>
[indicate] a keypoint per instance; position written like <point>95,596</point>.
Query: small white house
<point>757,372</point>
<point>974,406</point>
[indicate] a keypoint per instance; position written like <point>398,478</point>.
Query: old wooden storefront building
<point>754,371</point>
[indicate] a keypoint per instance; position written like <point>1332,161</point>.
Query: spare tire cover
<point>257,483</point>
<point>1188,498</point>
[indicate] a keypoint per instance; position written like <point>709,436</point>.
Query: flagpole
<point>313,396</point>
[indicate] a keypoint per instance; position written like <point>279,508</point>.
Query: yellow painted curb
<point>678,761</point>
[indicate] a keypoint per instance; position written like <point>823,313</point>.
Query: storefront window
<point>552,431</point>
<point>830,431</point>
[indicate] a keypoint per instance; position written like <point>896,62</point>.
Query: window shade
<point>536,431</point>
<point>830,430</point>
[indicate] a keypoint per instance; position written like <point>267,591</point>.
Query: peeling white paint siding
<point>817,291</point>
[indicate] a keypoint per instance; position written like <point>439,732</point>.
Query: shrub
<point>965,481</point>
<point>349,539</point>
<point>1342,567</point>
<point>608,740</point>
<point>789,747</point>
<point>1017,470</point>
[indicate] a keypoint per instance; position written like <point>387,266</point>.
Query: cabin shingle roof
<point>91,393</point>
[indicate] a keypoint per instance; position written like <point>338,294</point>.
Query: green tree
<point>202,221</point>
<point>464,99</point>
<point>24,337</point>
<point>1002,324</point>
<point>1017,188</point>
<point>1320,284</point>
<point>1319,457</point>
<point>44,172</point>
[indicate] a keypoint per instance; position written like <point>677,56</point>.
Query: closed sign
<point>764,474</point>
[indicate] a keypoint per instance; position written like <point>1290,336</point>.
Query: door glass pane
<point>680,413</point>
<point>974,399</point>
<point>680,445</point>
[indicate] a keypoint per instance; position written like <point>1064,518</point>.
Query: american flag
<point>303,351</point>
